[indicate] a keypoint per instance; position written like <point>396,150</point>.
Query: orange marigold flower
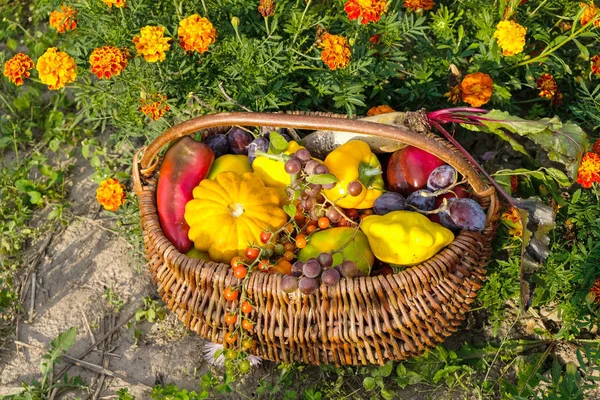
<point>417,4</point>
<point>589,170</point>
<point>595,290</point>
<point>196,33</point>
<point>510,37</point>
<point>116,3</point>
<point>383,109</point>
<point>375,39</point>
<point>56,68</point>
<point>266,8</point>
<point>111,194</point>
<point>63,20</point>
<point>589,13</point>
<point>366,10</point>
<point>512,220</point>
<point>18,68</point>
<point>107,61</point>
<point>336,51</point>
<point>595,61</point>
<point>454,95</point>
<point>547,86</point>
<point>477,89</point>
<point>596,147</point>
<point>152,44</point>
<point>154,107</point>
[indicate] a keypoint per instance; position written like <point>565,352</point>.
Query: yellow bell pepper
<point>273,174</point>
<point>405,237</point>
<point>354,161</point>
<point>237,163</point>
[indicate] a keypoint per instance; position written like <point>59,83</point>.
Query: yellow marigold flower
<point>18,68</point>
<point>547,86</point>
<point>512,220</point>
<point>154,107</point>
<point>454,95</point>
<point>107,61</point>
<point>266,8</point>
<point>589,13</point>
<point>417,4</point>
<point>111,194</point>
<point>152,44</point>
<point>510,37</point>
<point>589,170</point>
<point>366,10</point>
<point>196,33</point>
<point>383,109</point>
<point>63,20</point>
<point>336,51</point>
<point>116,3</point>
<point>56,68</point>
<point>595,65</point>
<point>477,89</point>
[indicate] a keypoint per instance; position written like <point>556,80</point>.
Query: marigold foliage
<point>18,68</point>
<point>336,51</point>
<point>196,33</point>
<point>383,109</point>
<point>116,3</point>
<point>419,4</point>
<point>151,43</point>
<point>111,194</point>
<point>107,61</point>
<point>547,86</point>
<point>366,10</point>
<point>589,13</point>
<point>154,107</point>
<point>477,89</point>
<point>595,65</point>
<point>589,170</point>
<point>56,68</point>
<point>511,37</point>
<point>63,20</point>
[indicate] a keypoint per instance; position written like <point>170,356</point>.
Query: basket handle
<point>149,162</point>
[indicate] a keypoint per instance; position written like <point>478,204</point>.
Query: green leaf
<point>34,197</point>
<point>85,151</point>
<point>95,162</point>
<point>585,54</point>
<point>386,370</point>
<point>321,179</point>
<point>386,394</point>
<point>559,177</point>
<point>60,345</point>
<point>564,143</point>
<point>369,383</point>
<point>278,143</point>
<point>24,185</point>
<point>54,144</point>
<point>290,210</point>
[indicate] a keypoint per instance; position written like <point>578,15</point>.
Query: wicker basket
<point>366,320</point>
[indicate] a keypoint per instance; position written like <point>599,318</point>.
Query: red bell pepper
<point>186,163</point>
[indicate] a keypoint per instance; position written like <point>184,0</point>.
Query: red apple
<point>409,168</point>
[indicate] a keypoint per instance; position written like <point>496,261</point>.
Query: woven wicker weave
<point>366,320</point>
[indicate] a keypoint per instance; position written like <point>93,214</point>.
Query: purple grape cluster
<point>306,275</point>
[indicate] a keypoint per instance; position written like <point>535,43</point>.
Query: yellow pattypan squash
<point>228,213</point>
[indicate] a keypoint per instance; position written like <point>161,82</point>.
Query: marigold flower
<point>383,109</point>
<point>557,99</point>
<point>111,194</point>
<point>454,95</point>
<point>266,8</point>
<point>589,13</point>
<point>116,3</point>
<point>154,107</point>
<point>512,219</point>
<point>510,37</point>
<point>56,68</point>
<point>366,10</point>
<point>152,44</point>
<point>547,86</point>
<point>336,51</point>
<point>589,170</point>
<point>107,61</point>
<point>196,33</point>
<point>63,20</point>
<point>477,89</point>
<point>596,147</point>
<point>18,68</point>
<point>595,289</point>
<point>595,64</point>
<point>514,183</point>
<point>375,39</point>
<point>417,4</point>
